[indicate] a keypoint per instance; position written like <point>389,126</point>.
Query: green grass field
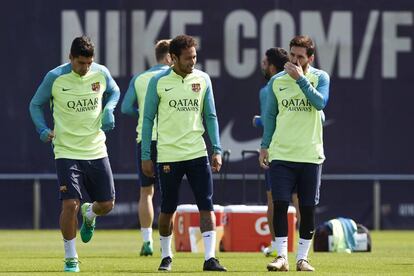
<point>116,252</point>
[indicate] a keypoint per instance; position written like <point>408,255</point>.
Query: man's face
<point>81,64</point>
<point>186,61</point>
<point>266,68</point>
<point>299,54</point>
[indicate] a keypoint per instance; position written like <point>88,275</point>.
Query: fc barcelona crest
<point>96,86</point>
<point>196,87</point>
<point>166,168</point>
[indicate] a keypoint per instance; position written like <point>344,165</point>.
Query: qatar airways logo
<point>83,105</point>
<point>185,105</point>
<point>297,105</point>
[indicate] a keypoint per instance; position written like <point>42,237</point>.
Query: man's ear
<point>273,69</point>
<point>311,58</point>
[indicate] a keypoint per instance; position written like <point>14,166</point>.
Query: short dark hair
<point>277,57</point>
<point>162,48</point>
<point>82,46</point>
<point>305,42</point>
<point>181,42</point>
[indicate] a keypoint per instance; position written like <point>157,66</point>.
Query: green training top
<point>136,95</point>
<point>76,103</point>
<point>180,104</point>
<point>292,117</point>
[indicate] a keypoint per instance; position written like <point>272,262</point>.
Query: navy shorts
<point>285,176</point>
<point>199,176</point>
<point>95,176</point>
<point>143,180</point>
<point>268,184</point>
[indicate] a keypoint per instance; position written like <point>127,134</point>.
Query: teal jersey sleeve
<point>269,115</point>
<point>40,98</point>
<point>151,108</point>
<point>318,96</point>
<point>262,99</point>
<point>210,118</point>
<point>112,92</point>
<point>129,103</point>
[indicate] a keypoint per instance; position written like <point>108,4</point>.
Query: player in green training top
<point>182,97</point>
<point>77,92</point>
<point>292,143</point>
<point>135,96</point>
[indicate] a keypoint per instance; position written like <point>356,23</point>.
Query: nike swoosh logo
<point>281,89</point>
<point>66,89</point>
<point>168,89</point>
<point>236,147</point>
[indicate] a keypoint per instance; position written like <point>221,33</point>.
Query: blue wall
<point>366,46</point>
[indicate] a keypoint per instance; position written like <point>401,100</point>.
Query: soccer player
<point>292,143</point>
<point>135,96</point>
<point>76,91</point>
<point>272,63</point>
<point>182,97</point>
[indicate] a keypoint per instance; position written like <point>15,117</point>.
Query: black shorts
<point>94,175</point>
<point>285,176</point>
<point>199,176</point>
<point>143,180</point>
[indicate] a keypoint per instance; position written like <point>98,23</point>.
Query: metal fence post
<point>36,204</point>
<point>377,205</point>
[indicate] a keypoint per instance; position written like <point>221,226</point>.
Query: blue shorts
<point>143,180</point>
<point>94,175</point>
<point>199,176</point>
<point>268,185</point>
<point>285,175</point>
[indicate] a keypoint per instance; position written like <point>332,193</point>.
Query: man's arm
<point>269,116</point>
<point>150,110</point>
<point>257,119</point>
<point>40,98</point>
<point>111,95</point>
<point>210,117</point>
<point>129,103</point>
<point>318,96</point>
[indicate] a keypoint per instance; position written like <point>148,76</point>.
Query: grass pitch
<point>117,253</point>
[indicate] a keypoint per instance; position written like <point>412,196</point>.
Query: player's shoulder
<point>203,75</point>
<point>278,76</point>
<point>96,67</point>
<point>200,73</point>
<point>63,69</point>
<point>55,73</point>
<point>159,68</point>
<point>162,73</point>
<point>318,72</point>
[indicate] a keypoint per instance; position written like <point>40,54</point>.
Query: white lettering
<point>390,41</point>
<point>339,39</point>
<point>272,22</point>
<point>239,21</point>
<point>143,38</point>
<point>72,27</point>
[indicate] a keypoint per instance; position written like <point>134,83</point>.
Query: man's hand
<point>47,135</point>
<point>108,120</point>
<point>294,70</point>
<point>216,162</point>
<point>148,168</point>
<point>264,158</point>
